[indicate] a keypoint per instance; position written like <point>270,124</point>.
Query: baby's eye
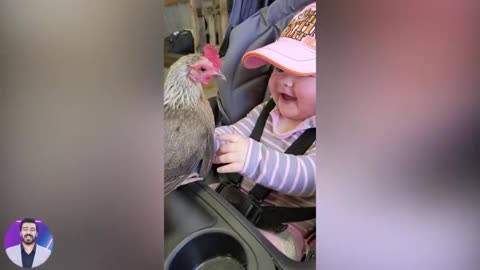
<point>203,69</point>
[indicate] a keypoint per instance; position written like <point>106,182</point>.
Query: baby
<point>293,89</point>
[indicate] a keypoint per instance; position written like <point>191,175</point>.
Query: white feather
<point>179,90</point>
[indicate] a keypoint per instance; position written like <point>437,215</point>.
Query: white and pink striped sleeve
<point>243,127</point>
<point>289,174</point>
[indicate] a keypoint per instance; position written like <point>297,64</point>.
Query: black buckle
<point>247,206</point>
<point>224,189</point>
<point>254,211</point>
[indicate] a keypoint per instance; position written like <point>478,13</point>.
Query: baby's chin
<point>292,113</point>
<point>290,110</point>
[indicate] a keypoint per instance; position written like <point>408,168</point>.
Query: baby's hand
<point>233,153</point>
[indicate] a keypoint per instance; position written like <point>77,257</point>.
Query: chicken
<point>188,116</point>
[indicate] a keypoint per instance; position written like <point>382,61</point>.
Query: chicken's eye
<point>203,69</point>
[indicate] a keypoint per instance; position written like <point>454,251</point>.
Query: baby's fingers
<point>226,158</point>
<point>230,168</point>
<point>229,148</point>
<point>233,138</point>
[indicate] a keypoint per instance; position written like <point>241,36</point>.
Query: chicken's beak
<point>221,76</point>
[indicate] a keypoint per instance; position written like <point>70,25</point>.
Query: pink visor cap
<point>294,51</point>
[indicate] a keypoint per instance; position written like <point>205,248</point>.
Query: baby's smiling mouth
<point>288,97</point>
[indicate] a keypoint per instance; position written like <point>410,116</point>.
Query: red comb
<point>211,53</point>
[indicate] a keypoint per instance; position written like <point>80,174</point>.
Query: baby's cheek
<point>307,97</point>
<point>308,106</point>
<point>272,86</point>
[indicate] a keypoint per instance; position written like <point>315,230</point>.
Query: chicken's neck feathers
<point>180,92</point>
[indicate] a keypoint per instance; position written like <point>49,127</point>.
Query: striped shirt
<point>292,178</point>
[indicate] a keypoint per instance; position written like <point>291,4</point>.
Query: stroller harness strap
<point>271,218</point>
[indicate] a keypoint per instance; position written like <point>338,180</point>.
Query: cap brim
<point>287,54</point>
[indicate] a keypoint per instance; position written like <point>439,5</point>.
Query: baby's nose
<point>287,81</point>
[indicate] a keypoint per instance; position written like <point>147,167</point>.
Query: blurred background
<point>398,106</point>
<point>80,121</point>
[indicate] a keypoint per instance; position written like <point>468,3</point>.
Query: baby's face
<point>295,96</point>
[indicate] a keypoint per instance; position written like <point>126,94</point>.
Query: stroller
<point>202,229</point>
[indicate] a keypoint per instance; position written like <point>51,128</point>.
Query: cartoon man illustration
<point>28,254</point>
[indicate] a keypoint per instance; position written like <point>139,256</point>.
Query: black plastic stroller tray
<point>221,263</point>
<point>204,232</point>
<point>208,250</point>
